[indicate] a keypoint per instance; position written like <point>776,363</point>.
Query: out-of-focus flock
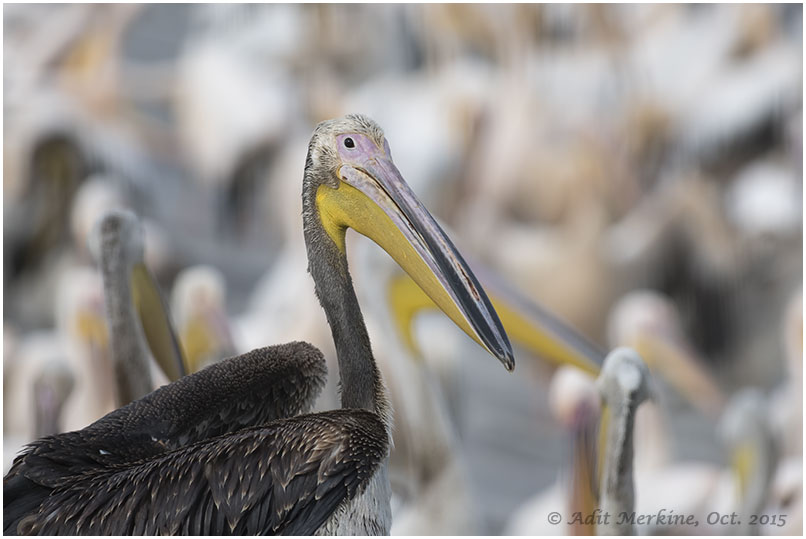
<point>616,175</point>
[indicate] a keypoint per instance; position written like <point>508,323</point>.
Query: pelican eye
<point>349,142</point>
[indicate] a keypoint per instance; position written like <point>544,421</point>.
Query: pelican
<point>786,498</point>
<point>744,487</point>
<point>52,387</point>
<point>81,320</point>
<point>575,404</point>
<point>643,320</point>
<point>576,399</point>
<point>219,451</point>
<point>786,401</point>
<point>745,428</point>
<point>133,301</point>
<point>429,469</point>
<point>786,419</point>
<point>60,379</point>
<point>198,304</point>
<point>649,322</point>
<point>528,324</point>
<point>40,381</point>
<point>623,385</point>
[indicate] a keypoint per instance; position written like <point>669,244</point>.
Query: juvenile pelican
<point>198,303</point>
<point>786,402</point>
<point>134,307</point>
<point>575,404</point>
<point>530,326</point>
<point>40,382</point>
<point>218,451</point>
<point>624,385</point>
<point>82,322</point>
<point>61,379</point>
<point>428,465</point>
<point>649,322</point>
<point>745,428</point>
<point>52,386</point>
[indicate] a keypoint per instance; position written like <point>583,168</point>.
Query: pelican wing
<point>245,391</point>
<point>287,477</point>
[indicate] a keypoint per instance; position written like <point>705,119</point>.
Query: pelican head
<point>117,238</point>
<point>117,245</point>
<point>351,181</point>
<point>96,195</point>
<point>624,378</point>
<point>198,303</point>
<point>573,398</point>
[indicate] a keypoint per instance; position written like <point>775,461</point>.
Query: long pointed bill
<point>526,323</point>
<point>374,200</point>
<point>156,323</point>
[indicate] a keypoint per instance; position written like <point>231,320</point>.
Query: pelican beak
<point>90,327</point>
<point>584,487</point>
<point>373,199</point>
<point>743,461</point>
<point>155,320</point>
<point>197,342</point>
<point>526,323</point>
<point>601,446</point>
<point>202,336</point>
<point>682,370</point>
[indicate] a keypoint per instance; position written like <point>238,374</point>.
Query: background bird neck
<point>129,356</point>
<point>618,491</point>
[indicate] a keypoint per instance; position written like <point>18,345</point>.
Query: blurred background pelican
<point>631,175</point>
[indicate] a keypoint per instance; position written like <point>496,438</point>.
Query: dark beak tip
<point>508,360</point>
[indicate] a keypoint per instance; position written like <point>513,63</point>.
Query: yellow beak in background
<point>156,323</point>
<point>744,460</point>
<point>532,328</point>
<point>91,328</point>
<point>553,341</point>
<point>678,366</point>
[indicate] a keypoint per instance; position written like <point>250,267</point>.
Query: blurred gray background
<point>580,152</point>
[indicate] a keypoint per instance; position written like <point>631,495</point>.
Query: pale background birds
<point>583,153</point>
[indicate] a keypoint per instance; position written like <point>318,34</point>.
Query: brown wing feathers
<point>248,390</point>
<point>285,478</point>
<point>177,460</point>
